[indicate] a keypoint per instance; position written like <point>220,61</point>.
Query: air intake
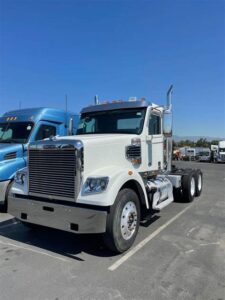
<point>11,155</point>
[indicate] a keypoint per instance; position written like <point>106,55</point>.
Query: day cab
<point>104,179</point>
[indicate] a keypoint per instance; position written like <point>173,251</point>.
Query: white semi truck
<point>203,154</point>
<point>104,179</point>
<point>221,152</point>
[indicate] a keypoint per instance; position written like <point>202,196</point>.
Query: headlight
<point>96,185</point>
<point>20,177</point>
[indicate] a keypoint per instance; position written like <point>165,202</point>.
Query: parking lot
<point>179,254</point>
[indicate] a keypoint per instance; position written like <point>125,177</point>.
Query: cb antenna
<point>96,100</point>
<point>66,103</point>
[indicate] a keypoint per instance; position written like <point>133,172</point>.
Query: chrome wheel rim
<point>192,186</point>
<point>200,182</point>
<point>128,220</point>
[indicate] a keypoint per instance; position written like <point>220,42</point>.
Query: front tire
<point>123,221</point>
<point>4,206</point>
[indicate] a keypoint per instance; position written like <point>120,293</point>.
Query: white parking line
<point>33,250</point>
<point>128,255</point>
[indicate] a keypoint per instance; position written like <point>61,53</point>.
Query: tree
<point>214,142</point>
<point>202,143</point>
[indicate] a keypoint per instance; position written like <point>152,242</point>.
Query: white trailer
<point>188,153</point>
<point>105,178</point>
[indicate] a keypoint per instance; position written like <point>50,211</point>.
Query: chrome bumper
<point>68,218</point>
<point>3,189</point>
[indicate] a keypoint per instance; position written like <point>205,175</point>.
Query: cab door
<point>155,141</point>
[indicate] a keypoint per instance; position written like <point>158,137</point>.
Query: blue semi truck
<point>19,128</point>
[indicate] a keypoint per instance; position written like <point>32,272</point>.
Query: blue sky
<point>116,49</point>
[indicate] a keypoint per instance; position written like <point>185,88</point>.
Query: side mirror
<point>167,123</point>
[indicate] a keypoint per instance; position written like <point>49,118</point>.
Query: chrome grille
<point>52,173</point>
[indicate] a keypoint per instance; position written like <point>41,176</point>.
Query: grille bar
<point>52,173</point>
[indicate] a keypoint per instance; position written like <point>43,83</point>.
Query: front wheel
<point>123,221</point>
<point>4,206</point>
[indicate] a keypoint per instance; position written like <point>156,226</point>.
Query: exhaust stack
<point>169,97</point>
<point>168,124</point>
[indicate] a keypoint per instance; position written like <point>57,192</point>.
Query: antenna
<point>20,104</point>
<point>96,100</point>
<point>66,103</point>
<point>66,108</point>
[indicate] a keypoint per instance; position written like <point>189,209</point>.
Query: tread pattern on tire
<point>113,237</point>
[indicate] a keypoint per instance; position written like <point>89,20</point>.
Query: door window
<point>45,131</point>
<point>154,125</point>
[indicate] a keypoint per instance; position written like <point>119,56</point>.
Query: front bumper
<point>3,189</point>
<point>69,218</point>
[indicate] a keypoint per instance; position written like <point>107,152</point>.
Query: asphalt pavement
<point>179,253</point>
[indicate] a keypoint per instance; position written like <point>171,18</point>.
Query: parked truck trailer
<point>102,180</point>
<point>203,154</point>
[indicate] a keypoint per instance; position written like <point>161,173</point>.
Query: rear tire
<point>198,182</point>
<point>123,221</point>
<point>4,206</point>
<point>188,187</point>
<point>177,195</point>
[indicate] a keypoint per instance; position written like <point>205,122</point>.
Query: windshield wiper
<point>11,141</point>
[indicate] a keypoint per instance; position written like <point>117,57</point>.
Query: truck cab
<point>221,152</point>
<point>203,154</point>
<point>104,179</point>
<point>18,129</point>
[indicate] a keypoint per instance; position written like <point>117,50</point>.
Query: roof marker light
<point>132,99</point>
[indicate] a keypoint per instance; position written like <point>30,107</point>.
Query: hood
<point>10,151</point>
<point>91,138</point>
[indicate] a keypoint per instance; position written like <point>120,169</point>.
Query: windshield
<point>112,121</point>
<point>204,153</point>
<point>190,151</point>
<point>16,132</point>
<point>221,149</point>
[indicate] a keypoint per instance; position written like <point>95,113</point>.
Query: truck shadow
<point>59,242</point>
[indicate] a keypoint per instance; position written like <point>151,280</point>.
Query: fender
<point>21,189</point>
<point>8,168</point>
<point>117,179</point>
